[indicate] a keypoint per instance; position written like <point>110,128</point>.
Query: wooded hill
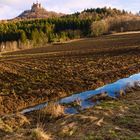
<point>98,13</point>
<point>72,26</point>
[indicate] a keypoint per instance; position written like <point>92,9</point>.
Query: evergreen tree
<point>23,37</point>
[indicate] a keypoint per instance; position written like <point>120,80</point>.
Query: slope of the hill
<point>37,11</point>
<point>38,14</point>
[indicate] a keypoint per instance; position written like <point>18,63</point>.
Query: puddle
<point>83,97</point>
<point>38,107</point>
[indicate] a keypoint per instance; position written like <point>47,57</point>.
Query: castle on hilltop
<point>37,11</point>
<point>36,6</point>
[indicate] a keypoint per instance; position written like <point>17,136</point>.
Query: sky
<point>12,8</point>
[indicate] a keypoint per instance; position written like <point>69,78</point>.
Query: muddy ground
<point>34,76</point>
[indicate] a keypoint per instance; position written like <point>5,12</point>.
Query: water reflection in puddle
<point>83,97</point>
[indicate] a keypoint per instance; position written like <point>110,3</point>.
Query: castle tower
<point>36,6</point>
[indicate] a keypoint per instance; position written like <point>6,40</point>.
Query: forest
<point>38,29</point>
<point>90,22</point>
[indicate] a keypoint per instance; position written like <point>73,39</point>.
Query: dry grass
<point>53,109</point>
<point>39,134</point>
<point>13,122</point>
<point>10,125</point>
<point>110,120</point>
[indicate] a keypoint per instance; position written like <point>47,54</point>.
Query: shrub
<point>23,36</point>
<point>39,134</point>
<point>53,109</point>
<point>99,28</point>
<point>123,23</point>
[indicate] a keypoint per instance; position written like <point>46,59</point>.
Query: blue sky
<point>12,8</point>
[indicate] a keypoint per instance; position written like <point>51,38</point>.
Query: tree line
<point>89,22</point>
<point>39,29</point>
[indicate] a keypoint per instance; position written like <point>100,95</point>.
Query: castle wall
<point>35,6</point>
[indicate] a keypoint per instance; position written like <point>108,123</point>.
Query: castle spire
<point>36,6</point>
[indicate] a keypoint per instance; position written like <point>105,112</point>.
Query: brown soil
<point>33,76</point>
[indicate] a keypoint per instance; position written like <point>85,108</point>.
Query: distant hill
<point>96,14</point>
<point>37,27</point>
<point>37,11</point>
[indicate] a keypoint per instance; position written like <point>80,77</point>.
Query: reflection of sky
<point>84,96</point>
<point>110,89</point>
<point>12,8</point>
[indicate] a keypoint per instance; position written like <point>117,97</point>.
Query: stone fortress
<point>37,11</point>
<point>36,6</point>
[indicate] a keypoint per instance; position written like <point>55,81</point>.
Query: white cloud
<point>7,12</point>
